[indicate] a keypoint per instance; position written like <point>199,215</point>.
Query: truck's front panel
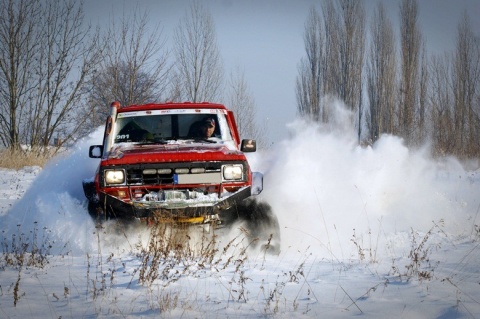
<point>154,162</point>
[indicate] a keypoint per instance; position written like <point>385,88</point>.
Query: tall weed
<point>17,159</point>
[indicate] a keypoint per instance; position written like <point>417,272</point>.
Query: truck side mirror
<point>95,151</point>
<point>248,146</point>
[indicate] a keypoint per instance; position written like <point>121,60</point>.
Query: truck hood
<point>128,153</point>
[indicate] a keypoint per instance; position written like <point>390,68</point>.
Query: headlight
<point>233,172</point>
<point>114,176</point>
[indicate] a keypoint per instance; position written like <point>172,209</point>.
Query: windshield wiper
<point>153,141</point>
<point>204,140</point>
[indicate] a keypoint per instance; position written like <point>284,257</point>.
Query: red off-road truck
<point>156,164</point>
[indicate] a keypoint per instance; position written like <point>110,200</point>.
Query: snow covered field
<point>378,231</point>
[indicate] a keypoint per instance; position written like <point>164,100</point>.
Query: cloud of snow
<point>325,188</point>
<point>55,200</point>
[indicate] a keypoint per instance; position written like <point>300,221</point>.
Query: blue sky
<point>265,39</point>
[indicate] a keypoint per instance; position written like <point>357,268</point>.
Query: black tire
<point>260,222</point>
<point>96,212</point>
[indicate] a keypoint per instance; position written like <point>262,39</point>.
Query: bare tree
<point>18,51</point>
<point>455,96</point>
<point>381,75</point>
<point>441,101</point>
<point>242,103</point>
<point>466,82</point>
<point>67,57</point>
<point>410,41</point>
<point>309,84</point>
<point>351,51</point>
<point>332,51</point>
<point>47,55</point>
<point>198,62</point>
<point>134,66</point>
<point>422,127</point>
<point>334,44</point>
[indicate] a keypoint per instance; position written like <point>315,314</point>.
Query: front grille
<point>137,175</point>
<point>148,175</point>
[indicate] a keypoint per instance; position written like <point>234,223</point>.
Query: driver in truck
<point>204,128</point>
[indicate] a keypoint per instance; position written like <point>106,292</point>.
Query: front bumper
<point>174,210</point>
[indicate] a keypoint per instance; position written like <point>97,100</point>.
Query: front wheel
<point>259,221</point>
<point>96,211</point>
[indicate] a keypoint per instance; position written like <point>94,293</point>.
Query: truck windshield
<point>164,125</point>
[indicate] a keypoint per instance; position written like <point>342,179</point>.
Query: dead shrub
<point>420,266</point>
<point>29,250</point>
<point>19,158</point>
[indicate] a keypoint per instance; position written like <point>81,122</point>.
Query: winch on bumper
<point>174,206</point>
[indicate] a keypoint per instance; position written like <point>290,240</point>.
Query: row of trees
<point>58,75</point>
<point>390,82</point>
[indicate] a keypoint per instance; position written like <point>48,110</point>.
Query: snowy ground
<point>378,232</point>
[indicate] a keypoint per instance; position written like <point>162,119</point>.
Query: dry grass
<point>17,159</point>
<point>26,249</point>
<point>21,251</point>
<point>420,266</point>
